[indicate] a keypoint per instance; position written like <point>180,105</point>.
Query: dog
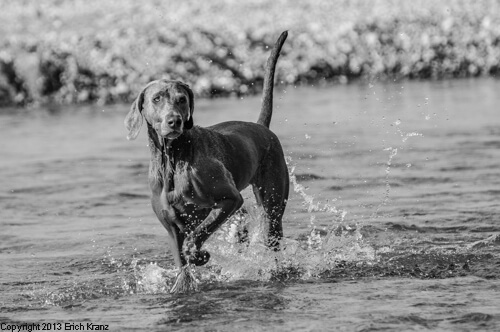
<point>196,174</point>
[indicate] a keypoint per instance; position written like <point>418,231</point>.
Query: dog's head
<point>167,106</point>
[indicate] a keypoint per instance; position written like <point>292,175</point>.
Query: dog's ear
<point>133,120</point>
<point>189,121</point>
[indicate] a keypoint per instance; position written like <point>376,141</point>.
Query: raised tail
<point>266,111</point>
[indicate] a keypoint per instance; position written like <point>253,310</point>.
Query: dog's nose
<point>171,123</point>
<point>174,122</point>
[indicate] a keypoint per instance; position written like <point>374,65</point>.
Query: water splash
<point>308,200</point>
<point>392,154</point>
<point>150,278</point>
<point>307,257</point>
<point>302,258</point>
<point>405,135</point>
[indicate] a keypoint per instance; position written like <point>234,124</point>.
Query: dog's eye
<point>156,99</point>
<point>182,100</point>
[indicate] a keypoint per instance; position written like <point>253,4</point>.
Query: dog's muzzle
<point>171,127</point>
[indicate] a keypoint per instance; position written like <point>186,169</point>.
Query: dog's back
<point>249,144</point>
<point>247,140</point>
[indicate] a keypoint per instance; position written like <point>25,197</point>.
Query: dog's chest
<point>179,182</point>
<point>189,182</point>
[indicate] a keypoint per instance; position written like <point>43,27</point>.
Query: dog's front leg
<point>169,220</point>
<point>221,212</point>
<point>175,237</point>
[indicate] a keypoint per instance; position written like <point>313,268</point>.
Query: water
<point>392,222</point>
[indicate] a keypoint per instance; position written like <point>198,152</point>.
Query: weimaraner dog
<point>196,174</point>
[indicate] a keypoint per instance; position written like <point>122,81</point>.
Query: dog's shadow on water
<point>242,297</point>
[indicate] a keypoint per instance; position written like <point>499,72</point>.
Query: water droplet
<point>307,136</point>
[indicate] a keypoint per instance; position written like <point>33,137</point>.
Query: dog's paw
<point>199,258</point>
<point>193,254</point>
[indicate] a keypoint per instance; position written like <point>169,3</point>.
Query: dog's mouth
<point>172,135</point>
<point>168,137</point>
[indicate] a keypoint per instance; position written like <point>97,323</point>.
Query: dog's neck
<point>168,156</point>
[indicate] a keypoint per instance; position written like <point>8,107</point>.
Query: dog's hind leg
<point>271,192</point>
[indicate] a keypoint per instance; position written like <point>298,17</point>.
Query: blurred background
<point>103,51</point>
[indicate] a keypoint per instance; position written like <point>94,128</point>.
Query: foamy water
<point>392,222</point>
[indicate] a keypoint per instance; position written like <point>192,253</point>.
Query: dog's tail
<point>266,111</point>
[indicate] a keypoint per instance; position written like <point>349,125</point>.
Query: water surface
<point>392,222</point>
